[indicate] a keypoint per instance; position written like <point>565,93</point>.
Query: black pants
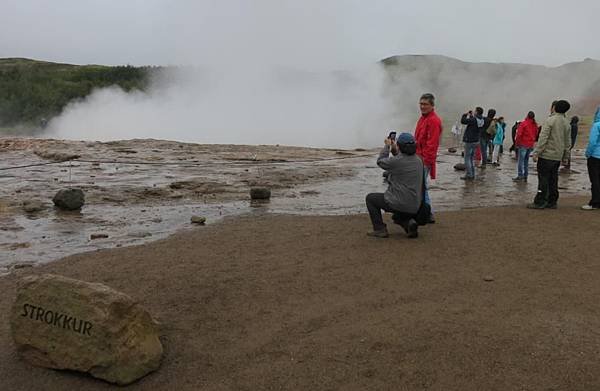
<point>547,194</point>
<point>375,204</point>
<point>593,165</point>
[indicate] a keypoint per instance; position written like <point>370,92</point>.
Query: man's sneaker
<point>536,206</point>
<point>467,178</point>
<point>589,207</point>
<point>412,229</point>
<point>518,179</point>
<point>380,233</point>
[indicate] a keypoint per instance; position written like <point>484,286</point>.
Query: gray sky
<point>308,34</point>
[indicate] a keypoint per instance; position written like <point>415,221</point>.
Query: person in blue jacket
<point>592,153</point>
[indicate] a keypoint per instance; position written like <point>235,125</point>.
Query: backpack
<point>424,212</point>
<point>491,130</point>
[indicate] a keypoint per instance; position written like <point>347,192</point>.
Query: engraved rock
<point>62,323</point>
<point>69,199</point>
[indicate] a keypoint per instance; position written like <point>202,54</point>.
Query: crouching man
<point>404,194</point>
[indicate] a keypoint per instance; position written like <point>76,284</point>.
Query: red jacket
<point>526,133</point>
<point>427,136</point>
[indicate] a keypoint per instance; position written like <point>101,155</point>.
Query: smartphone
<point>392,136</point>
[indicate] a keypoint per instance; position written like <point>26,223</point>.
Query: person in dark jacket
<point>471,139</point>
<point>513,147</point>
<point>574,131</point>
<point>404,194</point>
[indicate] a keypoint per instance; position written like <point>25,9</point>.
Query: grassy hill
<point>32,90</point>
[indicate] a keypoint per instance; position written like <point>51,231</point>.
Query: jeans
<point>547,194</point>
<point>523,163</point>
<point>376,203</point>
<point>496,153</point>
<point>483,141</point>
<point>469,154</point>
<point>593,165</point>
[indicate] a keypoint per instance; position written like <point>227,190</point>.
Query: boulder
<point>62,323</point>
<point>459,167</point>
<point>69,199</point>
<point>260,193</point>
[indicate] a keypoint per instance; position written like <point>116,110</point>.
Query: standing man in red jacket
<point>427,136</point>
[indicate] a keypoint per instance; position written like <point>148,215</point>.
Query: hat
<point>405,138</point>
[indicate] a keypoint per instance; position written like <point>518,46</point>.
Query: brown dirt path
<point>311,303</point>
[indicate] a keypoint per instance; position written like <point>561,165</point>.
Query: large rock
<point>69,199</point>
<point>260,193</point>
<point>61,323</point>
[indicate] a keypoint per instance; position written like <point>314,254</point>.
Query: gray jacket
<point>405,192</point>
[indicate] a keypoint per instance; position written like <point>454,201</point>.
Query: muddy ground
<point>500,298</point>
<point>143,190</point>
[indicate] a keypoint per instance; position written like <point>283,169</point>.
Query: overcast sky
<point>323,34</point>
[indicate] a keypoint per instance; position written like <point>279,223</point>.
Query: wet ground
<point>141,190</point>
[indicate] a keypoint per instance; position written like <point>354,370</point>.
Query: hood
<point>597,116</point>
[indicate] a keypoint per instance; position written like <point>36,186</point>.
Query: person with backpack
<point>524,141</point>
<point>404,196</point>
<point>471,139</point>
<point>497,141</point>
<point>592,153</point>
<point>552,147</point>
<point>484,136</point>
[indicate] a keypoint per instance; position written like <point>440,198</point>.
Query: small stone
<point>33,206</point>
<point>260,193</point>
<point>488,278</point>
<point>198,220</point>
<point>459,167</point>
<point>452,150</point>
<point>98,236</point>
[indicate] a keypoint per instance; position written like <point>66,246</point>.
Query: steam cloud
<point>281,106</point>
<point>320,108</point>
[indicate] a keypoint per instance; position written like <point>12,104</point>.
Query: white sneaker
<point>589,207</point>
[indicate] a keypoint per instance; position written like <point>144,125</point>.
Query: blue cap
<point>405,138</point>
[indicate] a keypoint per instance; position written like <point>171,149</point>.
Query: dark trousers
<point>547,194</point>
<point>375,204</point>
<point>593,165</point>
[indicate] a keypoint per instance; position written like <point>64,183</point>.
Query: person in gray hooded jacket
<point>405,191</point>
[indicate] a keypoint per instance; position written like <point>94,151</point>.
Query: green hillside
<point>32,90</point>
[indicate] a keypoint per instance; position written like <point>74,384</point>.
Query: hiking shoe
<point>536,206</point>
<point>380,233</point>
<point>589,207</point>
<point>412,229</point>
